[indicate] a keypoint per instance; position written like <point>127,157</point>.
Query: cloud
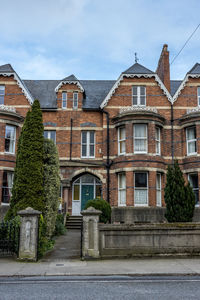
<point>96,39</point>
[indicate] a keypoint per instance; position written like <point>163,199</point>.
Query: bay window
<point>158,190</point>
<point>193,180</point>
<point>158,140</point>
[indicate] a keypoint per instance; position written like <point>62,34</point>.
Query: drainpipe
<point>108,155</point>
<point>70,157</point>
<point>172,133</point>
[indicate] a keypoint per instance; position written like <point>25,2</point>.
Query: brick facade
<point>155,132</point>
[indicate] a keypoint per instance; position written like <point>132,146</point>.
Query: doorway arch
<point>84,188</point>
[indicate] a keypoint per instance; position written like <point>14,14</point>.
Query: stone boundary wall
<point>149,240</point>
<point>130,215</point>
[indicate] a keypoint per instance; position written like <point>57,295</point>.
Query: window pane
<point>140,179</point>
<point>84,137</point>
<point>84,150</point>
<point>191,133</point>
<point>10,139</point>
<point>64,99</point>
<point>135,91</point>
<point>122,147</point>
<point>122,133</point>
<point>192,147</point>
<point>98,191</point>
<point>87,178</point>
<point>91,150</point>
<point>7,186</point>
<point>92,137</point>
<point>134,100</point>
<point>142,100</point>
<point>76,192</point>
<point>140,130</point>
<point>140,145</point>
<point>193,179</point>
<point>140,197</point>
<point>142,91</point>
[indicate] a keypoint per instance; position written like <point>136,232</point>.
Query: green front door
<point>87,193</point>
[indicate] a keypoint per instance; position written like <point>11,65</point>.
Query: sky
<point>96,39</point>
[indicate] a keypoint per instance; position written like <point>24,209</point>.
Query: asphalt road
<point>100,287</point>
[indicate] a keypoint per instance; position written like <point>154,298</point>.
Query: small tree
<point>28,187</point>
<point>179,199</point>
<point>51,186</point>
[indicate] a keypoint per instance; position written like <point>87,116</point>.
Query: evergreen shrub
<point>60,227</point>
<point>179,198</point>
<point>104,206</point>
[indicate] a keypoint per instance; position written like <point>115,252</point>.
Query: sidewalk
<point>146,266</point>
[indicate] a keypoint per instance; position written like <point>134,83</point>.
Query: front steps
<point>74,222</point>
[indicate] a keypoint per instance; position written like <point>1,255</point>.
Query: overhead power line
<point>185,44</point>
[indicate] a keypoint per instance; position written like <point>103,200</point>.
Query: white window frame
<point>74,100</point>
<point>158,189</point>
<point>64,100</point>
<point>140,138</point>
<point>138,95</point>
<point>121,141</point>
<point>157,140</point>
<point>2,94</point>
<point>121,190</point>
<point>49,135</point>
<point>191,141</point>
<point>12,141</point>
<point>88,144</point>
<point>194,189</point>
<point>198,95</point>
<point>142,188</point>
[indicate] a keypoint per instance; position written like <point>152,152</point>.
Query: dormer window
<point>2,94</point>
<point>198,95</point>
<point>139,95</point>
<point>64,100</point>
<point>75,100</point>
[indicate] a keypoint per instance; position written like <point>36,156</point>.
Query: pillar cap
<point>29,211</point>
<point>91,211</point>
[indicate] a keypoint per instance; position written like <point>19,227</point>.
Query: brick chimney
<point>163,69</point>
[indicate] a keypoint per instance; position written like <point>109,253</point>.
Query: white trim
<point>138,95</point>
<point>21,85</point>
<point>121,77</point>
<point>69,82</point>
<point>183,85</point>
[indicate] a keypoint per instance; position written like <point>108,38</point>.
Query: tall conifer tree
<point>179,199</point>
<point>28,190</point>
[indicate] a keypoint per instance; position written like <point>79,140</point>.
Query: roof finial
<point>136,58</point>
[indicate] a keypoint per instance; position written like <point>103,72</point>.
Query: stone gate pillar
<point>90,234</point>
<point>28,234</point>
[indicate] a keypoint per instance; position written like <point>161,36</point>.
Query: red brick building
<point>114,138</point>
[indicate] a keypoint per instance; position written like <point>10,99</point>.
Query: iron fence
<point>9,238</point>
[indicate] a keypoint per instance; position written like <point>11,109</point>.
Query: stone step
<point>74,222</point>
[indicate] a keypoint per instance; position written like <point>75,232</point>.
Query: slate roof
<point>138,69</point>
<point>44,91</point>
<point>6,68</point>
<point>70,78</point>
<point>174,85</point>
<point>195,69</point>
